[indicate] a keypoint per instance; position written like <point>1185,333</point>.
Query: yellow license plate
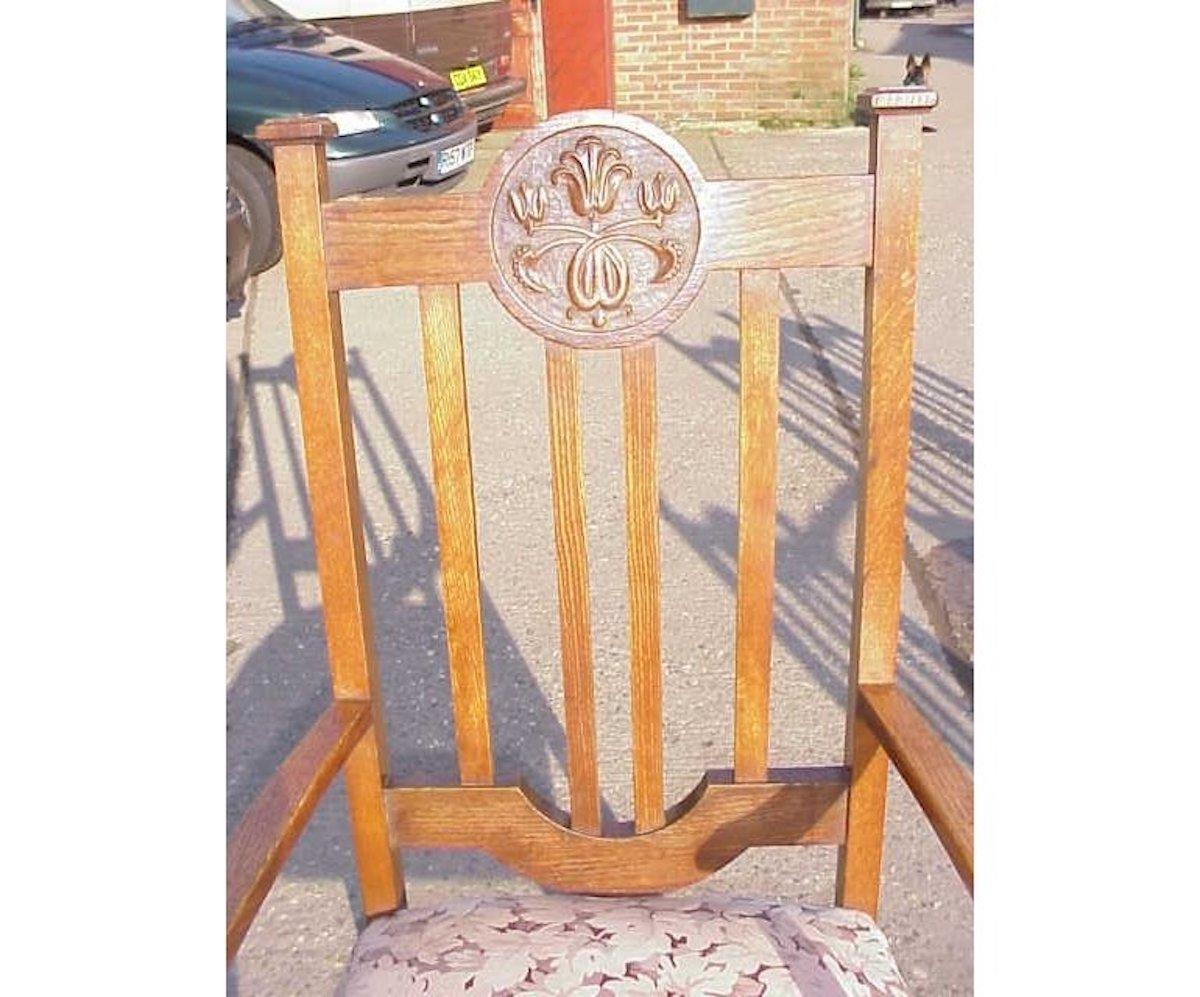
<point>465,79</point>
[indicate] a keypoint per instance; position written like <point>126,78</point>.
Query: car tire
<point>254,183</point>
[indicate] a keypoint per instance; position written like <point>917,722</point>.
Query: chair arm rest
<point>944,791</point>
<point>267,832</point>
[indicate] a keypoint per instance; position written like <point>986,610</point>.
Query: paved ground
<point>276,658</point>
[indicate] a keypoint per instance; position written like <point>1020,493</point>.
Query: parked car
<point>400,126</point>
<point>468,42</point>
<point>237,253</point>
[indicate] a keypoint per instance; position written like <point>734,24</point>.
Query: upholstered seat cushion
<point>612,947</point>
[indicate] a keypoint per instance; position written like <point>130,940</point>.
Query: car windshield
<point>241,15</point>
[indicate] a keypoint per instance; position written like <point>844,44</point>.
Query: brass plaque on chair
<point>595,229</point>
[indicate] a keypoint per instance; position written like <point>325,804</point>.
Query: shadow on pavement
<point>283,685</point>
<point>820,393</point>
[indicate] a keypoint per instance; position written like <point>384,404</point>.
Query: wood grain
<point>384,241</point>
<point>380,873</point>
<point>718,821</point>
<point>803,222</point>
<point>938,782</point>
<point>758,446</point>
<point>262,841</point>
<point>613,279</point>
<point>332,476</point>
<point>860,859</point>
<point>887,383</point>
<point>566,478</point>
<point>639,407</point>
<point>895,160</point>
<point>757,227</point>
<point>454,499</point>
<point>303,129</point>
<point>746,224</point>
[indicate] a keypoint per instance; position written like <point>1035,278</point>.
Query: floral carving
<point>598,272</point>
<point>658,197</point>
<point>528,205</point>
<point>592,175</point>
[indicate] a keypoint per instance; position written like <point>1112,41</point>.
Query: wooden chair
<point>595,230</point>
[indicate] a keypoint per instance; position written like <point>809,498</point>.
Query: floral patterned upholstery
<point>612,947</point>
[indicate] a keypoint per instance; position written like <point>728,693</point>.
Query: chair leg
<point>380,874</point>
<point>860,859</point>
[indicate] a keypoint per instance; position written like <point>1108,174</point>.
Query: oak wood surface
<point>887,387</point>
<point>757,227</point>
<point>746,224</point>
<point>324,394</point>
<point>383,241</point>
<point>639,407</point>
<point>895,160</point>
<point>380,872</point>
<point>820,221</point>
<point>860,860</point>
<point>758,454</point>
<point>454,499</point>
<point>575,624</point>
<point>715,824</point>
<point>262,841</point>
<point>581,205</point>
<point>938,782</point>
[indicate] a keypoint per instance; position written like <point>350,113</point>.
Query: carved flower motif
<point>598,280</point>
<point>524,263</point>
<point>599,273</point>
<point>528,205</point>
<point>658,196</point>
<point>592,175</point>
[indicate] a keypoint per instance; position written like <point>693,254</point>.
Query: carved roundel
<point>595,229</point>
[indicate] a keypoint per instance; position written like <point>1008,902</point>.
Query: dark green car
<point>400,126</point>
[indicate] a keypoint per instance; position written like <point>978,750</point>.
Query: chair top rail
<point>816,221</point>
<point>595,229</point>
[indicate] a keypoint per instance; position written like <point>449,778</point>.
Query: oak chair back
<point>596,230</point>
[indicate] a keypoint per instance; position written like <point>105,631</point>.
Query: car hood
<point>299,69</point>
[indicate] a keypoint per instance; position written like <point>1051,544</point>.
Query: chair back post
<point>298,145</point>
<point>895,116</point>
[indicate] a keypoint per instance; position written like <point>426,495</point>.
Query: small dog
<point>916,74</point>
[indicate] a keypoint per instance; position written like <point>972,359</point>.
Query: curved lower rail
<point>718,821</point>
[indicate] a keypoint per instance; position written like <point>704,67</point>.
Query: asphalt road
<point>276,672</point>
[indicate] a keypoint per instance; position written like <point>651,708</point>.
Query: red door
<point>577,37</point>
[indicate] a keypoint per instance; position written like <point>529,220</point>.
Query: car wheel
<point>254,184</point>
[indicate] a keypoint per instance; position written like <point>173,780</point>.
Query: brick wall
<point>787,61</point>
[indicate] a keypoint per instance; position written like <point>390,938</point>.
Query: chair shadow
<point>283,685</point>
<point>819,402</point>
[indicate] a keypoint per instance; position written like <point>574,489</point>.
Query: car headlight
<point>354,122</point>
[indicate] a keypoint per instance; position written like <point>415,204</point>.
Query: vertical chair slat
<point>639,405</point>
<point>333,496</point>
<point>454,493</point>
<point>895,159</point>
<point>566,467</point>
<point>758,430</point>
